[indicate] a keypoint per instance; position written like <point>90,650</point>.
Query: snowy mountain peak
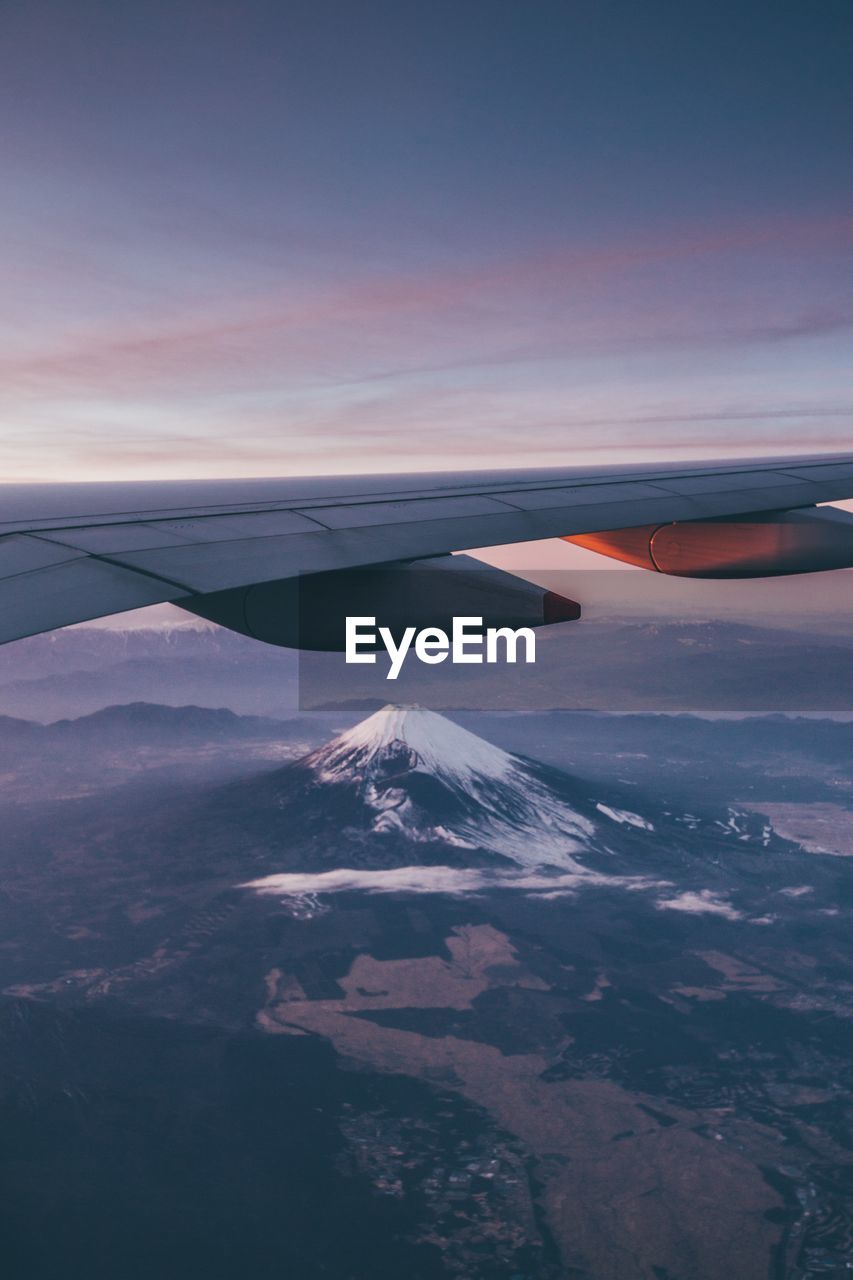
<point>407,788</point>
<point>426,776</point>
<point>412,738</point>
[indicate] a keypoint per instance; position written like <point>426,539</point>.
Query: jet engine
<point>310,611</point>
<point>807,540</point>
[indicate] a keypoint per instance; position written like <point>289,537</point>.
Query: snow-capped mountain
<point>408,786</point>
<point>421,775</point>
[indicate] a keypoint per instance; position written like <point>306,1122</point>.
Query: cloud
<point>660,345</point>
<point>702,903</point>
<point>449,880</point>
<point>547,304</point>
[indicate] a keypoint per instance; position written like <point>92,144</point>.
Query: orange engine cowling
<point>807,540</point>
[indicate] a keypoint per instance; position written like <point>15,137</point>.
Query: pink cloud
<point>696,286</point>
<point>630,348</point>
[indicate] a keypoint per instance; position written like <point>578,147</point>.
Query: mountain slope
<point>409,787</point>
<point>426,777</point>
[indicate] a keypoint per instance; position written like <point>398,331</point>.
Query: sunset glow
<point>450,241</point>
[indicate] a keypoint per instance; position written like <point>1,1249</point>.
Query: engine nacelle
<point>309,612</point>
<point>808,540</point>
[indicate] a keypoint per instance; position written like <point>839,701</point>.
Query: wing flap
<point>74,590</point>
<point>729,483</point>
<point>820,472</point>
<point>581,496</point>
<point>20,554</point>
<point>357,514</point>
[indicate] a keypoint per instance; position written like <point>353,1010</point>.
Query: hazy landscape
<point>370,993</point>
<point>628,663</point>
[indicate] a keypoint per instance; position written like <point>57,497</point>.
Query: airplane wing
<point>72,552</point>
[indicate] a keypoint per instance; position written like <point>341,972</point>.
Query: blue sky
<point>263,238</point>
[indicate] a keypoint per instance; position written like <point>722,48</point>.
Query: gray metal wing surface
<point>72,552</point>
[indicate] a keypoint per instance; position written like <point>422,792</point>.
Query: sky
<point>257,238</point>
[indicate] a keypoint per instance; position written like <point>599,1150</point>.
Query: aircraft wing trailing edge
<point>235,550</point>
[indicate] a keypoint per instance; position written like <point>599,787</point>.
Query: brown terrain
<point>620,1189</point>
